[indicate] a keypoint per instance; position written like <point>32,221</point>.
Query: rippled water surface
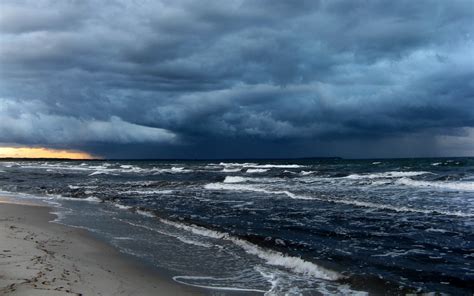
<point>299,227</point>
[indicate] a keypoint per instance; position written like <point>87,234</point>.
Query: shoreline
<point>38,257</point>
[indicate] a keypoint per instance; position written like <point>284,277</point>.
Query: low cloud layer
<point>239,78</point>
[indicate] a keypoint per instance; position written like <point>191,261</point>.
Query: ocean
<point>286,227</point>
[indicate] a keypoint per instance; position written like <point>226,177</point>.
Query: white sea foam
<point>260,166</point>
<point>364,204</point>
<point>122,207</point>
<point>176,236</point>
<point>81,187</point>
<point>182,280</point>
<point>457,186</point>
<point>229,170</point>
<point>252,188</point>
<point>271,257</point>
<point>123,238</point>
<point>236,164</point>
<point>256,171</point>
<point>92,199</point>
<point>172,170</point>
<point>58,167</point>
<point>101,172</point>
<point>440,230</point>
<point>306,173</point>
<point>293,263</point>
<point>146,192</point>
<point>277,166</point>
<point>399,208</point>
<point>234,179</point>
<point>398,253</point>
<point>394,174</point>
<point>145,213</point>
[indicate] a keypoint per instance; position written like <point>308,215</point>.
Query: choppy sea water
<point>291,227</point>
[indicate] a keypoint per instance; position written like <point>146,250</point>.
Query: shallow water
<point>299,227</point>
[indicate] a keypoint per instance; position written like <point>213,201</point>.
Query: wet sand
<point>42,258</point>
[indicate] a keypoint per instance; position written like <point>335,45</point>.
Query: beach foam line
<point>180,278</point>
<point>47,197</point>
<point>180,238</point>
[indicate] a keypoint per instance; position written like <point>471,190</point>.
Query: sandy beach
<point>42,258</point>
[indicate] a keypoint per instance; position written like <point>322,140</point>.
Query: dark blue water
<point>298,227</point>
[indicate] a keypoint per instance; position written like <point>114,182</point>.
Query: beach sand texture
<point>42,258</point>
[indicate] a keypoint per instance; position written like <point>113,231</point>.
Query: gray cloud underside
<point>260,71</point>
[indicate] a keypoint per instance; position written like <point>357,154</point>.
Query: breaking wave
<point>457,186</point>
<point>271,257</point>
<point>386,175</point>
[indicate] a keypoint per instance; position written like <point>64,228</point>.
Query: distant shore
<point>42,258</point>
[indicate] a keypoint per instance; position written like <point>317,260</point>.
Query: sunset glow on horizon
<point>38,152</point>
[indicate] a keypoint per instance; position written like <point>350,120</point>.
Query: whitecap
<point>99,173</point>
<point>92,199</point>
<point>234,179</point>
<point>393,174</point>
<point>364,204</point>
<point>228,170</point>
<point>122,207</point>
<point>457,186</point>
<point>440,230</point>
<point>146,192</point>
<point>243,187</point>
<point>236,164</point>
<point>145,213</point>
<point>256,171</point>
<point>277,166</point>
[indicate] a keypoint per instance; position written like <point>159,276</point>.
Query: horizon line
<point>227,159</point>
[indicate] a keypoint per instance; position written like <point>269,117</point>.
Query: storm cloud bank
<point>239,78</point>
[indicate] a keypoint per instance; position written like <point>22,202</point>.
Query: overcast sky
<point>213,79</point>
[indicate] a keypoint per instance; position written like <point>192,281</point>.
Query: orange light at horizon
<point>27,152</point>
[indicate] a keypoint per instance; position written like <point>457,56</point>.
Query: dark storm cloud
<point>293,75</point>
